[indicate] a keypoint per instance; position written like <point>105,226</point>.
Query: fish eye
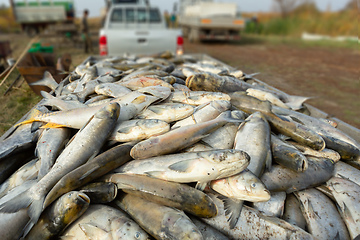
<point>253,185</point>
<point>137,235</point>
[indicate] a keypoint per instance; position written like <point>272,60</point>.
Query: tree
<point>285,6</point>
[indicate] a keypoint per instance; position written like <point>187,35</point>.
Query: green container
<point>36,47</point>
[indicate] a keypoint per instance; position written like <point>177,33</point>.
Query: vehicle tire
<point>185,32</point>
<point>31,31</point>
<point>194,35</point>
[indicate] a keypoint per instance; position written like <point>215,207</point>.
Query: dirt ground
<point>331,76</point>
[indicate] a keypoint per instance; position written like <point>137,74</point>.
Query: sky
<point>95,6</point>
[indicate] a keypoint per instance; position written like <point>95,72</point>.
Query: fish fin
<point>17,202</point>
<point>156,109</point>
<point>53,125</point>
<point>154,174</point>
<point>139,99</point>
<point>124,130</point>
<point>296,120</point>
<point>82,177</point>
<point>268,160</point>
<point>125,186</point>
<point>46,95</point>
<point>29,225</point>
<point>232,209</point>
<point>347,213</point>
<point>228,117</point>
<point>201,186</point>
<point>93,232</point>
<point>311,210</point>
<point>296,102</point>
<point>182,166</point>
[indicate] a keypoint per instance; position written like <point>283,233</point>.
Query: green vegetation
<point>306,18</point>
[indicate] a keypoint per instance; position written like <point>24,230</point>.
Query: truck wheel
<point>194,36</point>
<point>31,31</point>
<point>185,32</point>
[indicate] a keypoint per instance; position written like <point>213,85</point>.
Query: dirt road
<point>330,75</point>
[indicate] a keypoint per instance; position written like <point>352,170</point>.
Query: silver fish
<point>59,215</point>
<point>274,207</point>
<point>184,167</point>
<point>347,196</point>
<point>138,129</point>
<point>76,153</point>
<point>168,112</point>
<point>104,222</point>
<point>254,225</point>
<point>180,138</point>
<point>205,112</point>
<point>322,218</point>
<point>160,221</point>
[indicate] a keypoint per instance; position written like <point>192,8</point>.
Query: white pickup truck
<point>137,28</point>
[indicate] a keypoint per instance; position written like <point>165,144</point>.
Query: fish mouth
<point>84,197</point>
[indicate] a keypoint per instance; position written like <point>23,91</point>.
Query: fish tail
<point>35,208</point>
<point>20,201</point>
<point>233,209</point>
<point>31,119</point>
<point>228,117</point>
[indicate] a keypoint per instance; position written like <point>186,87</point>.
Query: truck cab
<point>135,27</point>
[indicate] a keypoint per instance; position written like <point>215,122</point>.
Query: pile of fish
<point>175,147</point>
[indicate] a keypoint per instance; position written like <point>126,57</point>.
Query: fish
<point>253,137</point>
<point>131,104</point>
<point>79,150</point>
<point>325,153</point>
<point>159,221</point>
<point>292,212</point>
<point>197,97</point>
<point>171,194</point>
<point>223,137</point>
<point>296,131</point>
<point>346,171</point>
<point>59,215</point>
<point>51,142</point>
<point>144,81</point>
<point>321,215</point>
<point>63,104</point>
<point>204,112</point>
<point>244,186</point>
<point>347,196</point>
<point>280,178</point>
<point>331,135</point>
<point>274,207</point>
<point>184,167</point>
<point>254,225</point>
<point>208,232</point>
<point>111,89</point>
<point>91,170</point>
<point>47,80</point>
<point>288,155</point>
<point>138,129</point>
<point>20,138</point>
<point>215,83</point>
<point>100,192</point>
<point>168,112</point>
<point>104,222</point>
<point>266,96</point>
<point>28,171</point>
<point>180,138</point>
<point>12,224</point>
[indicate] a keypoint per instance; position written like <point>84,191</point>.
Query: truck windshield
<point>132,15</point>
